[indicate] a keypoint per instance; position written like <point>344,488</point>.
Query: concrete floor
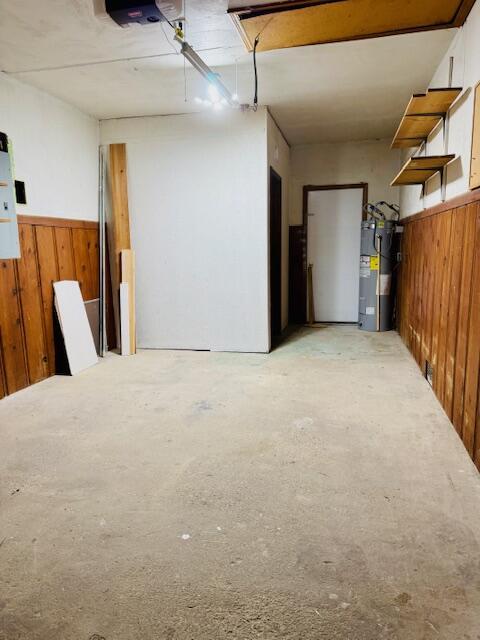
<point>316,493</point>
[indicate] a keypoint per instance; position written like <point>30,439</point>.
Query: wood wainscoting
<point>52,249</point>
<point>439,307</point>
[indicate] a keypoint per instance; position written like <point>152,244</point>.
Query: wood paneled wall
<point>52,249</point>
<point>439,309</point>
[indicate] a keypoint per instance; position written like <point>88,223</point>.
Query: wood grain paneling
<point>93,250</point>
<point>473,351</point>
<point>32,306</point>
<point>66,261</point>
<point>439,309</point>
<point>48,265</point>
<point>13,350</point>
<point>3,389</point>
<point>50,252</point>
<point>463,317</point>
<point>82,263</point>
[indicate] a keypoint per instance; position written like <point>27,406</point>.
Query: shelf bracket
<point>443,176</point>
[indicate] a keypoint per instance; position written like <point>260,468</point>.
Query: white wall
<point>198,195</point>
<point>279,160</point>
<point>370,161</point>
<point>55,151</point>
<point>465,50</point>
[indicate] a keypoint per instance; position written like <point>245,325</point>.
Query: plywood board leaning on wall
<point>117,222</point>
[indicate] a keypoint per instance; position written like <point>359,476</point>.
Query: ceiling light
<point>214,93</point>
<point>216,89</point>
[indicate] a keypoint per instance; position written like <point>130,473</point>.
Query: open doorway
<point>329,240</point>
<point>333,216</point>
<point>275,257</point>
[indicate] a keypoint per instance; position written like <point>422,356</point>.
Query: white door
<point>334,219</point>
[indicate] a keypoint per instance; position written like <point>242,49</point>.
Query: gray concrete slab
<point>316,493</point>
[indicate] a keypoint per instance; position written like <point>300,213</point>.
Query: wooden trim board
<point>57,222</point>
<point>117,222</point>
<point>128,278</point>
<point>475,156</point>
<point>125,346</point>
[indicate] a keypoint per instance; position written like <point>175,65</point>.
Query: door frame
<point>277,177</point>
<point>306,191</point>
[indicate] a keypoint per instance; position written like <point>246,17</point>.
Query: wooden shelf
<point>423,113</point>
<point>5,220</point>
<point>3,184</point>
<point>420,169</point>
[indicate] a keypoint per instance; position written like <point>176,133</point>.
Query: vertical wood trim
<point>3,387</point>
<point>65,260</point>
<point>473,352</point>
<point>92,237</point>
<point>475,152</point>
<point>48,261</point>
<point>463,318</point>
<point>21,321</point>
<point>82,263</point>
<point>128,277</point>
<point>13,351</point>
<point>31,306</point>
<point>456,257</point>
<point>444,304</point>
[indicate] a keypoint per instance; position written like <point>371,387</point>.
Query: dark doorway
<point>275,256</point>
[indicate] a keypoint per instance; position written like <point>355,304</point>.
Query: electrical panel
<point>9,243</point>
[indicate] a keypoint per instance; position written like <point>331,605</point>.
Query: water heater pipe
<point>378,243</point>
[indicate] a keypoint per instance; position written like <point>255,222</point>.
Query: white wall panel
<point>199,224</point>
<point>55,151</point>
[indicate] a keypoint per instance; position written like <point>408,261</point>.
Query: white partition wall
<point>198,192</point>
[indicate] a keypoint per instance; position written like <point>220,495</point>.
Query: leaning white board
<point>77,335</point>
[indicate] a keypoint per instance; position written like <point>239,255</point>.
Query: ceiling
<point>334,92</point>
